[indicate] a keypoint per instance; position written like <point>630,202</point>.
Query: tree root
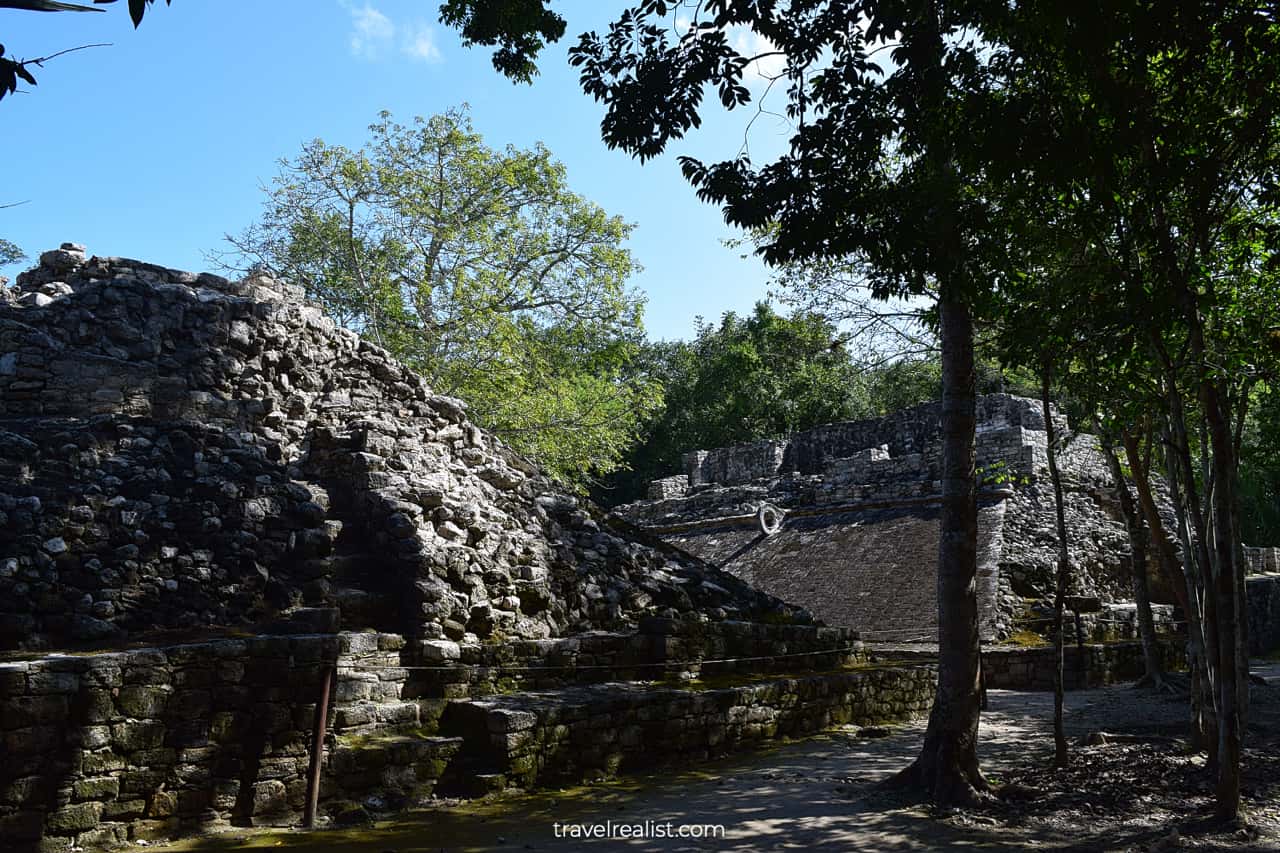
<point>1171,684</point>
<point>947,785</point>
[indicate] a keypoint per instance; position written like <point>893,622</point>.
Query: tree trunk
<point>1225,581</point>
<point>1242,601</point>
<point>1196,547</point>
<point>1199,623</point>
<point>1224,562</point>
<point>1186,476</point>
<point>947,766</point>
<point>1060,757</point>
<point>1170,565</point>
<point>1138,537</point>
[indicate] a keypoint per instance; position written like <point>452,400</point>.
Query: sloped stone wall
<point>858,545</point>
<point>180,450</point>
<point>871,566</point>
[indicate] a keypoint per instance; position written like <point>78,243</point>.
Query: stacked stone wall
<point>1006,424</point>
<point>1006,667</point>
<point>150,742</point>
<point>1096,665</point>
<point>156,742</point>
<point>182,450</point>
<point>1262,594</point>
<point>1262,560</point>
<point>595,733</point>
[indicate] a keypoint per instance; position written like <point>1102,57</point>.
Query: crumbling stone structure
<point>213,497</point>
<point>843,518</point>
<point>180,450</point>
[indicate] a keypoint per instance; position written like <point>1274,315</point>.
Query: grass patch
<point>1026,639</point>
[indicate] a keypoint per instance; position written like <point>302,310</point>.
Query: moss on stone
<point>1026,639</point>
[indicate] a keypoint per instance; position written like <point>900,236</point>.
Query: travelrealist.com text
<point>643,829</point>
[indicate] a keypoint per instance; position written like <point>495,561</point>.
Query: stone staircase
<point>584,733</point>
<point>579,734</point>
<point>403,762</point>
<point>576,709</point>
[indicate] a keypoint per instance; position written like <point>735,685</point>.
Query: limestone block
<point>73,818</point>
<point>97,788</point>
<point>441,650</point>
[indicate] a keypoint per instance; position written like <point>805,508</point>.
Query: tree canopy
<point>884,156</point>
<point>480,268</point>
<point>993,149</point>
<point>761,375</point>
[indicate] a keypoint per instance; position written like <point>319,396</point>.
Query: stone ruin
<point>180,450</point>
<point>843,519</point>
<point>210,496</point>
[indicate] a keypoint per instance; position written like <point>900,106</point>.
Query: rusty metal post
<point>982,683</point>
<point>317,748</point>
<point>1080,656</point>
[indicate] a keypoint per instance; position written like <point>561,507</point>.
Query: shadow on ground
<point>820,794</point>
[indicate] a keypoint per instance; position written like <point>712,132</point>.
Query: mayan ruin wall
<point>849,525</point>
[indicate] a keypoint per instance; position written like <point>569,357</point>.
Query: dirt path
<point>819,794</point>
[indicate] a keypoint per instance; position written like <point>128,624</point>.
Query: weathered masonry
<point>180,450</point>
<point>210,497</point>
<point>843,519</point>
<point>156,742</point>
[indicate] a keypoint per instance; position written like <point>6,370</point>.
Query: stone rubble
<point>180,450</point>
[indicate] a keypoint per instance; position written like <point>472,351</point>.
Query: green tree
<point>10,253</point>
<point>750,377</point>
<point>879,167</point>
<point>1162,128</point>
<point>1150,124</point>
<point>478,267</point>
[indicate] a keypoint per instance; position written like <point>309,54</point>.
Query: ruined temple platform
<point>844,518</point>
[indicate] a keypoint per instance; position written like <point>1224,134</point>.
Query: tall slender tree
<point>1160,129</point>
<point>886,103</point>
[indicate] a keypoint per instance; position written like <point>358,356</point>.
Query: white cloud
<point>420,44</point>
<point>375,36</point>
<point>750,43</point>
<point>371,31</point>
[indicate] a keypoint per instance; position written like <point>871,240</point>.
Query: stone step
<point>660,648</point>
<point>590,732</point>
<point>400,763</point>
<point>356,718</point>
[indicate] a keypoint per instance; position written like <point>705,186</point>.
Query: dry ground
<point>1140,792</point>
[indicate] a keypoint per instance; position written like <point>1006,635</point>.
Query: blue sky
<point>157,146</point>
